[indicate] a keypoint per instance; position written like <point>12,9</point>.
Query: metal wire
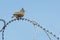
<point>46,31</point>
<point>33,22</point>
<point>3,35</point>
<point>3,22</point>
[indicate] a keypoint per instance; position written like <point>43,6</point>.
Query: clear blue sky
<point>46,12</point>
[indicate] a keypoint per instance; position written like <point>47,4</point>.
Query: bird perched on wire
<point>19,14</point>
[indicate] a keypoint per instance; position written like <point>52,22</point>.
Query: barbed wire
<point>45,30</point>
<point>3,22</point>
<point>31,21</point>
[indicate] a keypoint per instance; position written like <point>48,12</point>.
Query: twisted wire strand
<point>3,35</point>
<point>46,31</point>
<point>48,35</point>
<point>3,22</point>
<point>33,22</point>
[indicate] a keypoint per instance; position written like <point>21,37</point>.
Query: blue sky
<point>45,12</point>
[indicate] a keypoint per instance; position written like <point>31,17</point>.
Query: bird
<point>19,14</point>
